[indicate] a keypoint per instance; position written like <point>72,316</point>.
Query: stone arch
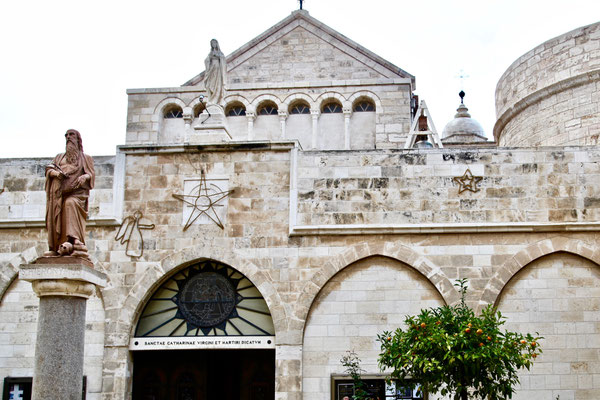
<point>266,97</point>
<point>328,96</point>
<point>531,253</point>
<point>9,270</point>
<point>237,98</point>
<point>368,95</point>
<point>160,272</point>
<point>364,250</point>
<point>298,96</point>
<point>158,110</point>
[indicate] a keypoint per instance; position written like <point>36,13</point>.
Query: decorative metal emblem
<point>130,231</point>
<point>203,199</point>
<point>468,182</point>
<point>208,298</point>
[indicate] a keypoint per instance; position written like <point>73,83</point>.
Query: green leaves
<point>450,349</point>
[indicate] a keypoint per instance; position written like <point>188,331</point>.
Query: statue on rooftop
<point>215,74</point>
<point>69,178</point>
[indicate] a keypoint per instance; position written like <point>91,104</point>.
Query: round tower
<point>550,96</point>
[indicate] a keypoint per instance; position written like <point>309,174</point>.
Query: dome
<point>463,128</point>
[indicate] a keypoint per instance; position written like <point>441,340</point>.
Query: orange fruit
<point>479,331</point>
<point>423,325</point>
<point>523,341</point>
<point>480,344</point>
<point>468,330</point>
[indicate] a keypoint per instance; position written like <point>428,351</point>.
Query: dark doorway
<point>204,375</point>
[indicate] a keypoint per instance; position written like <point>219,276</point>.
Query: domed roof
<point>463,128</point>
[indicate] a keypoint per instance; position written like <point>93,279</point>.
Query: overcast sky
<point>67,64</point>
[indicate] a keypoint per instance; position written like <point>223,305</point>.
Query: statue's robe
<point>67,208</point>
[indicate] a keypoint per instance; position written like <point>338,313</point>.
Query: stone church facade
<point>307,194</point>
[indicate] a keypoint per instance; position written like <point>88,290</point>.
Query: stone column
<point>347,114</point>
<point>315,127</point>
<point>282,117</point>
<point>250,117</point>
<point>63,290</point>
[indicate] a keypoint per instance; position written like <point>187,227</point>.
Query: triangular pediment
<point>302,49</point>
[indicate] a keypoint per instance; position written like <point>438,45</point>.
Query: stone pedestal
<point>211,127</point>
<point>63,290</point>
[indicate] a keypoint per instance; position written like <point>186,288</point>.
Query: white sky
<point>67,63</point>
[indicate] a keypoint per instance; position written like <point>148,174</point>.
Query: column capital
<point>69,280</point>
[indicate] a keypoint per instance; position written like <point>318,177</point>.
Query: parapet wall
<point>550,96</point>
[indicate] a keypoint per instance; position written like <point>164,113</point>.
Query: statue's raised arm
<point>215,74</point>
<point>69,179</point>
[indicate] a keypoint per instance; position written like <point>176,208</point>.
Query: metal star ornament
<point>468,182</point>
<point>203,199</point>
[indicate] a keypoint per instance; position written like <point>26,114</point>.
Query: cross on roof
<point>301,1</point>
<point>462,76</point>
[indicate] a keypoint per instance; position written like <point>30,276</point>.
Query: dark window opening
<point>332,108</point>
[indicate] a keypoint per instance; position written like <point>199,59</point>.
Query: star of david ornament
<point>468,182</point>
<point>203,199</point>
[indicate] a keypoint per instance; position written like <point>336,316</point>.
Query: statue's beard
<point>72,153</point>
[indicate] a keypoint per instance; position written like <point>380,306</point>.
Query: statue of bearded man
<point>69,179</point>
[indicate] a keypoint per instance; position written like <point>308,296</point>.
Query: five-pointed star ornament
<point>468,182</point>
<point>203,200</point>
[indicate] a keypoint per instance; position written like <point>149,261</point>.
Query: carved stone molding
<point>63,287</point>
<point>69,280</point>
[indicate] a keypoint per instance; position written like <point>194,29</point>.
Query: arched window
<point>206,299</point>
<point>198,109</point>
<point>364,106</point>
<point>267,108</point>
<point>173,111</point>
<point>332,107</point>
<point>235,109</point>
<point>299,107</point>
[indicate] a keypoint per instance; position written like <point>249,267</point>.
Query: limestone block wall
<point>23,201</point>
<point>387,127</point>
<point>365,299</point>
<point>558,297</point>
<point>552,185</point>
<point>306,275</point>
<point>19,313</point>
<point>551,95</point>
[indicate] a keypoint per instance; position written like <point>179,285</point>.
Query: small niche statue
<point>215,74</point>
<point>69,178</point>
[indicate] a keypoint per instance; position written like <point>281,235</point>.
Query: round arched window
<point>299,107</point>
<point>267,108</point>
<point>198,109</point>
<point>173,111</point>
<point>207,299</point>
<point>332,107</point>
<point>235,109</point>
<point>364,106</point>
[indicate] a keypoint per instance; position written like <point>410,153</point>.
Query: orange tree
<point>452,351</point>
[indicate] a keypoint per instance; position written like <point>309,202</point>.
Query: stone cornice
<point>398,229</point>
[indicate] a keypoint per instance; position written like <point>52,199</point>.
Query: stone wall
<point>365,299</point>
<point>550,95</point>
<point>19,313</point>
<point>23,201</point>
<point>552,185</point>
<point>386,129</point>
<point>558,297</point>
<point>304,274</point>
